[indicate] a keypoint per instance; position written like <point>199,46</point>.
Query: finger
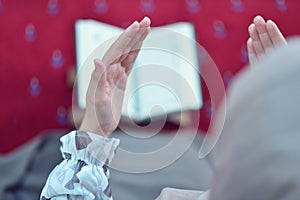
<point>144,25</point>
<point>98,79</point>
<point>263,34</point>
<point>259,50</point>
<point>97,82</point>
<point>143,28</point>
<point>116,77</point>
<point>121,79</point>
<point>275,34</point>
<point>117,49</point>
<point>251,52</point>
<point>131,57</point>
<point>145,22</point>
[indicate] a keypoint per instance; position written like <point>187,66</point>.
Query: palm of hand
<point>108,81</point>
<point>110,107</point>
<point>264,36</point>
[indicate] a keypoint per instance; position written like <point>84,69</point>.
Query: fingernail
<point>259,18</point>
<point>251,26</point>
<point>134,23</point>
<point>146,18</point>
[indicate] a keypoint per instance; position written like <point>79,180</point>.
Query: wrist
<point>91,124</point>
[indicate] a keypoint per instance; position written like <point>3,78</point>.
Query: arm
<point>83,174</point>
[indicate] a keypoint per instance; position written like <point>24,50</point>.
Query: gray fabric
<point>188,172</point>
<point>24,172</point>
<point>257,156</point>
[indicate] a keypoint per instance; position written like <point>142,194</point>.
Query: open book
<point>165,78</point>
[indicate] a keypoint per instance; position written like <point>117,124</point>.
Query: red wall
<point>34,95</point>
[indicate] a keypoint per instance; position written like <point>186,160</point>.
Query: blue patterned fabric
<point>83,174</point>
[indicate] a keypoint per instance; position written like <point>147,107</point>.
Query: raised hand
<point>108,81</point>
<point>263,37</point>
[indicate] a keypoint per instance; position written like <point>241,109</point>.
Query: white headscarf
<point>257,156</point>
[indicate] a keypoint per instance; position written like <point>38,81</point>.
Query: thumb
<point>99,74</point>
<point>98,79</point>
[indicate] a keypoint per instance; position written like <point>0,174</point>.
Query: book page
<point>168,76</point>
